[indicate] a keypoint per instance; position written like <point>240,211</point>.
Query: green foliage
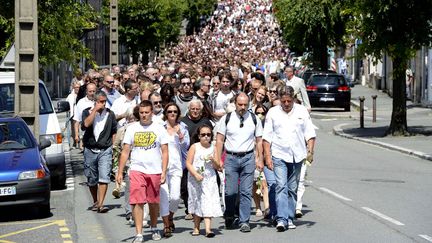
<point>311,25</point>
<point>61,25</point>
<point>196,9</point>
<point>146,24</point>
<point>6,25</point>
<point>397,28</point>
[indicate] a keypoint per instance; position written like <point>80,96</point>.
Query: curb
<point>337,130</point>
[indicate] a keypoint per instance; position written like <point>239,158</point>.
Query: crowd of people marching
<point>217,122</point>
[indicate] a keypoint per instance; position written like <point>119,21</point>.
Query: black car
<point>329,90</point>
<point>24,175</point>
<point>305,75</point>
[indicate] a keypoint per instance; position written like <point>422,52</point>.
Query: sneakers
<point>156,234</point>
<point>188,216</point>
<point>258,213</point>
<point>298,213</point>
<point>280,227</point>
<point>291,225</point>
<point>245,228</point>
<point>138,239</point>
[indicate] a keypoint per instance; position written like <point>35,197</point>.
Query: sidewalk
<point>419,121</point>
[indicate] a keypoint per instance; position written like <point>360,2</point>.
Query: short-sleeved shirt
<point>145,142</point>
<point>288,132</point>
<point>82,104</point>
<point>120,106</point>
<point>239,139</point>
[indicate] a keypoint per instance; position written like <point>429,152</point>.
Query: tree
<point>146,24</point>
<point>196,9</point>
<point>61,26</point>
<point>397,28</point>
<point>311,25</point>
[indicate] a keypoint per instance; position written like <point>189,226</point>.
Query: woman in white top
<point>177,147</point>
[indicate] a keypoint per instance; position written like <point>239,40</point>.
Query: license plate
<point>6,191</point>
<point>327,99</point>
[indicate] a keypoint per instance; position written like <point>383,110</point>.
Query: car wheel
<point>45,210</point>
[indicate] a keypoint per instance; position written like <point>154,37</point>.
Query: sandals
<point>102,209</point>
<point>167,232</point>
<point>93,207</point>
<point>195,233</point>
<point>210,234</point>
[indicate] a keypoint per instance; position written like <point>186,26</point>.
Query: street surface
<point>356,192</point>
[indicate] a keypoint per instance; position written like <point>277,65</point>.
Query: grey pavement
<point>419,121</point>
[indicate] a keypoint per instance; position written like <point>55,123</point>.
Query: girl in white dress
<point>204,200</point>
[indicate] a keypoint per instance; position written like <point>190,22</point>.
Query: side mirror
<point>62,106</point>
<point>44,143</point>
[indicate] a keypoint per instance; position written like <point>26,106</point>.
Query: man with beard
<point>185,96</point>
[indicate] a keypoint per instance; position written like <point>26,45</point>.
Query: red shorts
<point>144,188</point>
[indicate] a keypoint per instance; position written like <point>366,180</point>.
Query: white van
<point>49,125</point>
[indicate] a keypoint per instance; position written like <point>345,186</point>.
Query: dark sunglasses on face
<point>172,111</point>
<point>205,134</point>
<point>186,84</point>
<point>157,102</point>
<point>259,113</point>
<point>273,91</point>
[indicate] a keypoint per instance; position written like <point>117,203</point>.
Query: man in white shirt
<point>146,142</point>
<point>299,87</point>
<point>239,132</point>
<point>129,99</point>
<point>289,139</point>
<point>84,103</point>
<point>100,128</point>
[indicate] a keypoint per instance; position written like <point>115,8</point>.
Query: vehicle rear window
<point>330,80</point>
<point>7,96</point>
<point>13,135</point>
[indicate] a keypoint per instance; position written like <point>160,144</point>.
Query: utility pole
<point>27,64</point>
<point>114,58</point>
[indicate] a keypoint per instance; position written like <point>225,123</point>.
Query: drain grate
<point>383,180</point>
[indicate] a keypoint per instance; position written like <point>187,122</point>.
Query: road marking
<point>29,229</point>
<point>426,237</point>
<point>383,216</point>
<point>334,194</point>
<point>6,241</point>
<point>329,119</point>
<point>66,236</point>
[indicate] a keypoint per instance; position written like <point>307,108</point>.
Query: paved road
<point>356,193</point>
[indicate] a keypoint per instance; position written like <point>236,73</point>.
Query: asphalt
<point>419,120</point>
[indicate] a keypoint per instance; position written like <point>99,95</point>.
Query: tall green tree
<point>195,10</point>
<point>397,28</point>
<point>146,24</point>
<point>311,25</point>
<point>61,26</point>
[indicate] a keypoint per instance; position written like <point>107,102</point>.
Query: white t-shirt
<point>222,101</point>
<point>120,106</point>
<point>145,142</point>
<point>82,104</point>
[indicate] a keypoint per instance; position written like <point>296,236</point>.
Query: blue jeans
<point>287,178</point>
<point>239,168</point>
<point>271,184</point>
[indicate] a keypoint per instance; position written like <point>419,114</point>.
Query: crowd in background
<point>189,91</point>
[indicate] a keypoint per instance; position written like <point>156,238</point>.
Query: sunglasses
<point>186,84</point>
<point>273,91</point>
<point>172,111</point>
<point>205,135</point>
<point>259,113</point>
<point>157,102</point>
<point>241,122</point>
